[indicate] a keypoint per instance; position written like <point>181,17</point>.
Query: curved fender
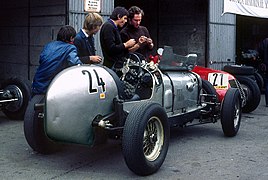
<point>74,98</point>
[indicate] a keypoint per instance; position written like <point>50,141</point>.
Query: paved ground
<point>197,152</point>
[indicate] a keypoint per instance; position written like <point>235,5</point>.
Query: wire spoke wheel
<point>153,139</point>
<point>237,115</point>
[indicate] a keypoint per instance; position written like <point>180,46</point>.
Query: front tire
<point>231,112</point>
<point>145,138</point>
<point>34,129</point>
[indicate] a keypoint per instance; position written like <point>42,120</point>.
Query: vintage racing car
<point>222,81</point>
<point>15,94</point>
<point>87,104</point>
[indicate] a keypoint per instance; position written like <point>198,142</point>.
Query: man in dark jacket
<point>112,46</point>
<point>135,31</point>
<point>84,40</point>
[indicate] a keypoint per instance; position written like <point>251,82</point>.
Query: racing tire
<point>20,89</point>
<point>145,138</point>
<point>255,77</point>
<point>231,112</point>
<point>34,130</point>
<point>239,70</point>
<point>252,93</point>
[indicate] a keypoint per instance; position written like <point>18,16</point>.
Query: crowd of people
<point>117,39</point>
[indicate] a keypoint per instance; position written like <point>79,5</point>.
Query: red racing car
<point>222,81</point>
<point>219,79</point>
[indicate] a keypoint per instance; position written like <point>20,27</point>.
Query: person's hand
<point>142,39</point>
<point>130,43</point>
<point>150,42</point>
<point>95,59</point>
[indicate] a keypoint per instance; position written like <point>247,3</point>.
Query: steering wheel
<point>136,57</point>
<point>133,72</point>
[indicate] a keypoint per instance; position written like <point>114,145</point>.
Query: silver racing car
<point>86,104</point>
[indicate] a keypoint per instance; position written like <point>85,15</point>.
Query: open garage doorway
<point>249,32</point>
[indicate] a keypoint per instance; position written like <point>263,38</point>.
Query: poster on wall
<point>255,8</point>
<point>92,5</point>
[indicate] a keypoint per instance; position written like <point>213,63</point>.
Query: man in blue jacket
<point>56,56</point>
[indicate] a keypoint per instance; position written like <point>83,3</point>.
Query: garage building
<point>188,26</point>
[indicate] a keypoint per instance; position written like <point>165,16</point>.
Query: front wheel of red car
<point>231,112</point>
<point>145,138</point>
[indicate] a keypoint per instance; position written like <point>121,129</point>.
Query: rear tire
<point>145,138</point>
<point>34,129</point>
<point>231,112</point>
<point>239,70</point>
<point>252,92</point>
<point>259,80</point>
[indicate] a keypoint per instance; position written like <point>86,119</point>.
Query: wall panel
<point>222,36</point>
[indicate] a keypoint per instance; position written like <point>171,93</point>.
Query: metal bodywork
<point>74,99</point>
